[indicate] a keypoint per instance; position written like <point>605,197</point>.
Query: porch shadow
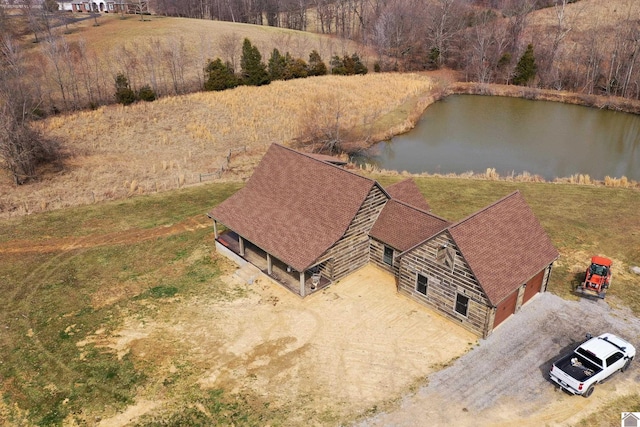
<point>280,272</point>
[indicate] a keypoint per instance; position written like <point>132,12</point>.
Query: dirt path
<point>116,238</point>
<point>504,380</point>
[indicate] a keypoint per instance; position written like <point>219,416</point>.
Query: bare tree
<point>445,20</point>
<point>22,147</point>
<point>229,45</point>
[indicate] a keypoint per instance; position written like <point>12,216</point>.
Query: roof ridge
<point>308,156</point>
<point>476,213</point>
<point>419,210</point>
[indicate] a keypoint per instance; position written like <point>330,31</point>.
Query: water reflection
<point>472,133</point>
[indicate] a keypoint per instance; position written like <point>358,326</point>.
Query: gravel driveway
<point>505,378</point>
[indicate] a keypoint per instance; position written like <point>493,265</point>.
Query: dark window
<point>614,358</point>
<point>387,258</point>
<point>462,304</point>
<point>421,284</point>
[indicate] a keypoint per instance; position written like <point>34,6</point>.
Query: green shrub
<point>146,94</point>
<point>124,94</point>
<point>316,67</point>
<point>219,76</point>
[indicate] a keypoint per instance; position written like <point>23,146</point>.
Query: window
<point>421,284</point>
<point>387,258</point>
<point>614,358</point>
<point>462,304</point>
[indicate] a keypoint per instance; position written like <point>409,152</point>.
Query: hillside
<point>115,152</point>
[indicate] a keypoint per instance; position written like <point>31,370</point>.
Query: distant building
<point>106,6</point>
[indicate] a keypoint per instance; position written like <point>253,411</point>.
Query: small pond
<point>472,133</point>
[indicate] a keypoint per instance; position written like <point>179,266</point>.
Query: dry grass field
<point>586,15</point>
<point>116,152</point>
<point>204,36</point>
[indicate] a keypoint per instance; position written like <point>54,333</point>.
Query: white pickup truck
<point>591,363</point>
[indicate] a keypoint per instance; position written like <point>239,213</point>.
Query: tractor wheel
<point>626,365</point>
<point>589,391</point>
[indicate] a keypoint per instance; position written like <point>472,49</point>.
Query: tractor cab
<point>597,277</point>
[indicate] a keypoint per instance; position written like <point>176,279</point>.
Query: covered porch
<point>301,283</point>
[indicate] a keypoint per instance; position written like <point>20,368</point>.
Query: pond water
<point>472,133</point>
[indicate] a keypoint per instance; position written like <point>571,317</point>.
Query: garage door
<point>533,286</point>
<point>506,308</point>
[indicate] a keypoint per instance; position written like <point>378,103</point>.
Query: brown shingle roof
<point>407,191</point>
<point>504,245</point>
<point>294,207</point>
<point>402,226</point>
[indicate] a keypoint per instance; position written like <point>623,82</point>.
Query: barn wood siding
<point>376,254</point>
<point>444,284</point>
<point>351,252</point>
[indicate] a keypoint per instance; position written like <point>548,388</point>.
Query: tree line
<point>483,39</point>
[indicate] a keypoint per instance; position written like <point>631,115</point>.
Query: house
<point>104,6</point>
<point>307,222</point>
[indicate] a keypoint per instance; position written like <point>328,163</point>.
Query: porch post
<point>241,242</point>
<point>302,284</point>
<point>215,229</point>
<point>269,264</point>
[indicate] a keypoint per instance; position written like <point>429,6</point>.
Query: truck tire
<point>626,365</point>
<point>589,391</point>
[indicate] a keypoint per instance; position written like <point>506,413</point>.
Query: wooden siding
<point>376,255</point>
<point>351,252</point>
<point>444,284</point>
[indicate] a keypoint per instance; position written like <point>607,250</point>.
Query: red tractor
<point>597,278</point>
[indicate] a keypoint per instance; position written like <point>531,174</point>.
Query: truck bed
<point>578,367</point>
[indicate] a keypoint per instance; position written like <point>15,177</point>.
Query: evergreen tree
<point>316,66</point>
<point>254,71</point>
<point>146,94</point>
<point>124,94</point>
<point>219,76</point>
<point>337,66</point>
<point>295,68</point>
<point>277,64</point>
<point>526,68</point>
<point>358,66</point>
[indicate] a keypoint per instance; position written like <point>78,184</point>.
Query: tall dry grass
<point>117,151</point>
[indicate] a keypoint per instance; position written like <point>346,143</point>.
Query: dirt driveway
<point>504,380</point>
<point>352,347</point>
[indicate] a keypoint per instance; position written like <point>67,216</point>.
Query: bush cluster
<point>254,72</point>
<point>126,96</point>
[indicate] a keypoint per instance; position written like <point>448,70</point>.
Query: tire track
<point>130,236</point>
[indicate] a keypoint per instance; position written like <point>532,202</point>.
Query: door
<point>533,286</point>
<point>506,308</point>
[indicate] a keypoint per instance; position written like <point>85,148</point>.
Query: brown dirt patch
<point>354,346</point>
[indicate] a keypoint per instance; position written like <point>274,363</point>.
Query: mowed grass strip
<point>104,218</point>
<point>54,301</point>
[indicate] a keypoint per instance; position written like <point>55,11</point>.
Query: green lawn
<point>53,300</point>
